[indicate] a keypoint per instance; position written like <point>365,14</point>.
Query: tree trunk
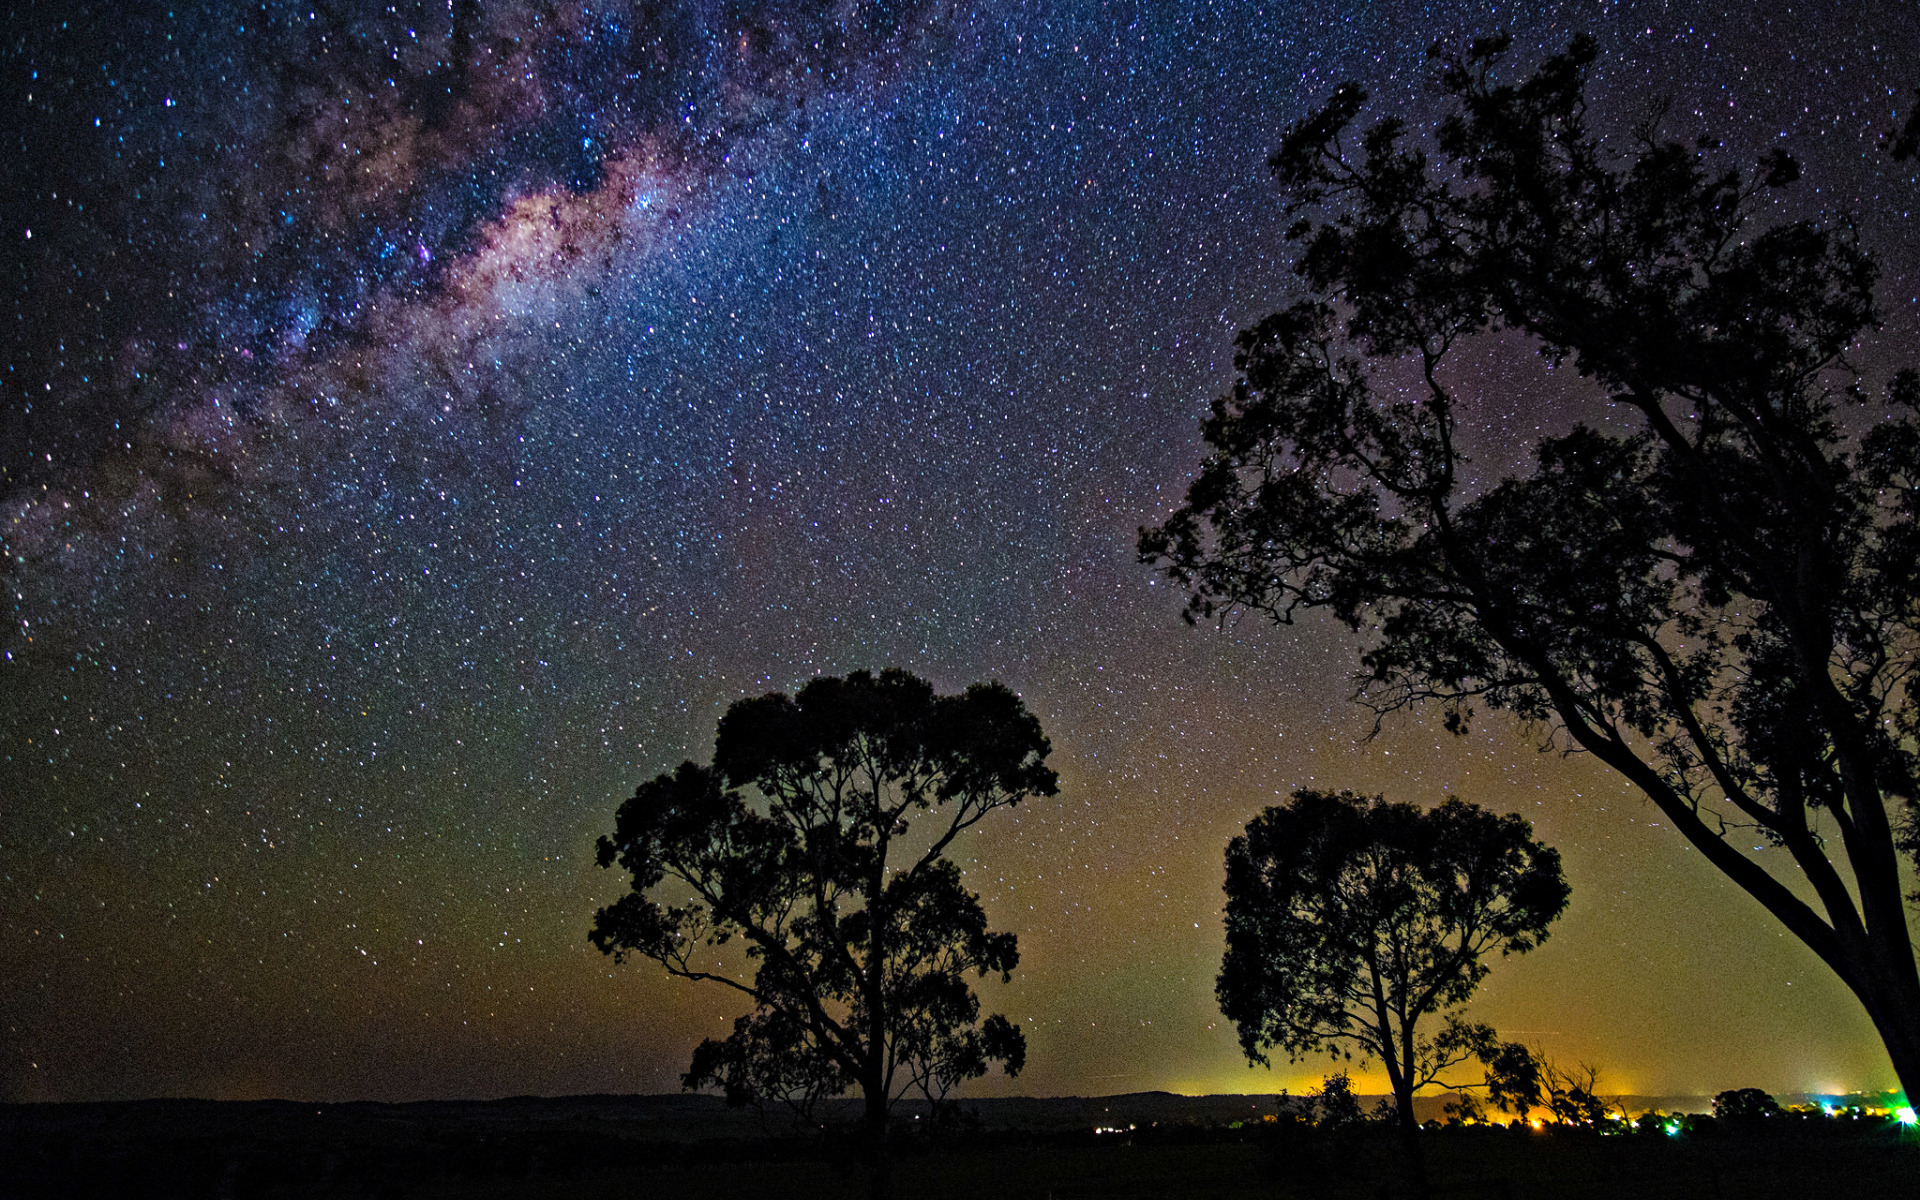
<point>874,1081</point>
<point>1902,1040</point>
<point>1413,1156</point>
<point>879,1160</point>
<point>1889,997</point>
<point>1397,1056</point>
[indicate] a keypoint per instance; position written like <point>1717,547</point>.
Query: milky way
<point>422,421</point>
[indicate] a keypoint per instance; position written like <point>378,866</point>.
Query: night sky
<point>422,422</point>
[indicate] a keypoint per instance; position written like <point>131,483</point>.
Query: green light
<point>1906,1116</point>
<point>1673,1129</point>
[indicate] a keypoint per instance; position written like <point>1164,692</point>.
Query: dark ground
<point>635,1148</point>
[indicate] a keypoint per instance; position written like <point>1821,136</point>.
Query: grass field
<point>1547,1168</point>
<point>627,1150</point>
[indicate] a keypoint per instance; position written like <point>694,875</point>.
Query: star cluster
<point>423,420</point>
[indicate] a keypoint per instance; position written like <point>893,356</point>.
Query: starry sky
<point>422,421</point>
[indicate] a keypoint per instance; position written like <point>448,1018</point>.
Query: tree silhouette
<point>1336,1105</point>
<point>1718,596</point>
<point>1515,1078</point>
<point>1349,920</point>
<point>1572,1094</point>
<point>1745,1105</point>
<point>817,839</point>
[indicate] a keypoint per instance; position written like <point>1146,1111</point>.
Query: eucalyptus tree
<point>816,844</point>
<point>1351,920</point>
<point>1711,584</point>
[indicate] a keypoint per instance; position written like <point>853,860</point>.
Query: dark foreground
<point>638,1148</point>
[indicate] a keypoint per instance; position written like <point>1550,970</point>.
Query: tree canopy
<point>1713,585</point>
<point>818,838</point>
<point>1745,1105</point>
<point>1350,920</point>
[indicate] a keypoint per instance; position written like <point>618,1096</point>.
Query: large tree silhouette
<point>1350,920</point>
<point>816,842</point>
<point>1715,595</point>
